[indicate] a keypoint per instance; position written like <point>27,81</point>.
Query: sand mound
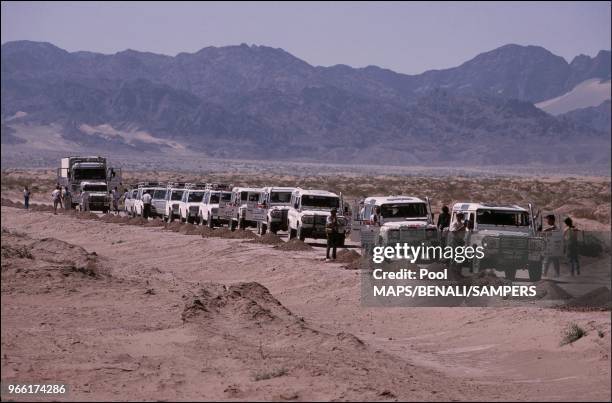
<point>114,219</point>
<point>48,260</point>
<point>7,202</point>
<point>137,221</point>
<point>294,245</point>
<point>174,226</point>
<point>190,229</point>
<point>86,215</point>
<point>597,299</point>
<point>547,289</point>
<point>267,239</point>
<point>226,233</point>
<point>156,222</point>
<point>347,256</point>
<point>251,302</point>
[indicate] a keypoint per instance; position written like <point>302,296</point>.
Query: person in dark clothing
<point>444,219</point>
<point>26,197</point>
<point>331,229</point>
<point>570,246</point>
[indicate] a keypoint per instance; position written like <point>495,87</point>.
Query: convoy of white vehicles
<point>506,232</point>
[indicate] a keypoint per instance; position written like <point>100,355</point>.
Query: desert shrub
<point>572,333</point>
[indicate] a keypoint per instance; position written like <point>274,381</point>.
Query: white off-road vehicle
<point>242,210</point>
<point>99,198</point>
<point>209,213</point>
<point>189,206</point>
<point>143,187</point>
<point>174,195</point>
<point>128,202</point>
<point>400,219</point>
<point>508,235</point>
<point>276,202</point>
<point>158,201</point>
<point>307,215</point>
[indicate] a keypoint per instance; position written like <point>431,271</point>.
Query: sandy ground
<point>127,312</point>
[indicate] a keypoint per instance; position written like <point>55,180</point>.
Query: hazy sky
<point>405,37</point>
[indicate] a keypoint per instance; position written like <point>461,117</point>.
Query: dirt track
<point>157,315</point>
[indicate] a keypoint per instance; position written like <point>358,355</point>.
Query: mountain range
<point>259,102</point>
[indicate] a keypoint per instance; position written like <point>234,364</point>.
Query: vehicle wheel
<point>242,224</point>
<point>264,228</point>
<point>292,233</point>
<point>209,222</point>
<point>300,235</point>
<point>232,225</point>
<point>535,272</point>
<point>510,274</point>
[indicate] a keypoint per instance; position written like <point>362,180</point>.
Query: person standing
<point>444,219</point>
<point>331,230</point>
<point>376,217</point>
<point>26,197</point>
<point>146,205</point>
<point>56,195</point>
<point>116,197</point>
<point>570,246</point>
<point>85,200</point>
<point>549,256</point>
<point>457,231</point>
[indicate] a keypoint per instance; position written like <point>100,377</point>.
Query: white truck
<point>508,235</point>
<point>275,201</point>
<point>242,210</point>
<point>75,170</point>
<point>215,198</point>
<point>99,198</point>
<point>307,215</point>
<point>189,205</point>
<point>401,219</point>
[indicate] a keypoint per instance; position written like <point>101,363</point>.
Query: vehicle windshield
<point>249,196</point>
<point>214,197</point>
<point>502,217</point>
<point>320,201</point>
<point>407,210</point>
<point>95,188</point>
<point>226,196</point>
<point>195,197</point>
<point>159,194</point>
<point>89,174</point>
<point>280,197</point>
<point>177,194</point>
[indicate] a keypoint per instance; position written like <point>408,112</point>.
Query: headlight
<point>308,219</point>
<point>490,242</point>
<point>394,235</point>
<point>536,244</point>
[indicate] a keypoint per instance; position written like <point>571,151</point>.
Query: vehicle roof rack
<point>201,186</point>
<point>150,184</point>
<point>176,185</point>
<point>218,186</point>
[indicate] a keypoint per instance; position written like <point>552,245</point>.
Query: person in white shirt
<point>56,195</point>
<point>85,200</point>
<point>146,205</point>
